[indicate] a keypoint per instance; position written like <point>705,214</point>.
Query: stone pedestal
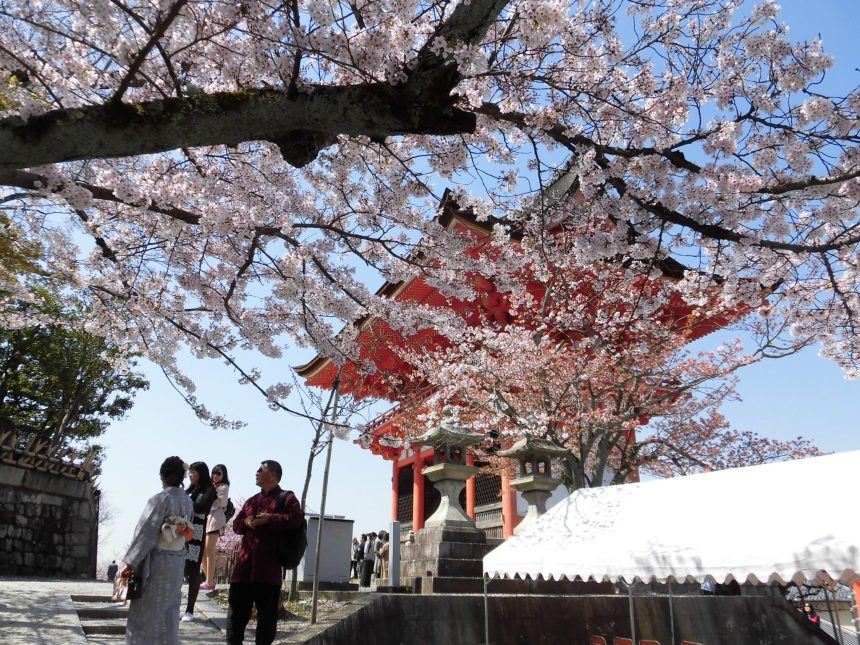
<point>536,491</point>
<point>450,479</point>
<point>447,554</point>
<point>444,560</point>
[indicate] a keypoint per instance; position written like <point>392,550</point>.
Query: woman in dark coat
<point>202,495</point>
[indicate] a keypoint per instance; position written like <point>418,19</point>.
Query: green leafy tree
<point>62,385</point>
<point>16,255</point>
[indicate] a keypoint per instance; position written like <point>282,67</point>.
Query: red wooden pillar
<point>418,493</point>
<point>510,519</point>
<point>856,587</point>
<point>395,492</point>
<point>470,489</point>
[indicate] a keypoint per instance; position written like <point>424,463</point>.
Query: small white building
<point>336,549</point>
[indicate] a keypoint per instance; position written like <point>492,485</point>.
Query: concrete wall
<point>48,524</point>
<point>550,620</point>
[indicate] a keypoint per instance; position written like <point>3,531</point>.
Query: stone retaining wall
<point>48,524</point>
<point>574,620</point>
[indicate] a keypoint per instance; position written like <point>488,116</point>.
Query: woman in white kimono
<point>157,554</point>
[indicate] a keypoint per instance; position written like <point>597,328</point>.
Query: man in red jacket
<point>256,579</point>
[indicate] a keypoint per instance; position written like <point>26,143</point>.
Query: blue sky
<point>798,395</point>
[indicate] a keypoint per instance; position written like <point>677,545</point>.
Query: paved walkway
<point>42,612</point>
<point>39,611</point>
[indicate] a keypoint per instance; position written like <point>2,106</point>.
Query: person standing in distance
<point>113,567</point>
<point>256,579</point>
<point>369,555</point>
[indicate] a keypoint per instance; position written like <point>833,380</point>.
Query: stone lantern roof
<point>449,433</point>
<point>531,446</point>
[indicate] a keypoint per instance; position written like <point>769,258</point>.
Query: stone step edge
<point>90,630</point>
<point>109,614</point>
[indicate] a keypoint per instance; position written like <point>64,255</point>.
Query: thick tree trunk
<point>301,125</point>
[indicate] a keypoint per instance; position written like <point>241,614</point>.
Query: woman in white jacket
<point>215,524</point>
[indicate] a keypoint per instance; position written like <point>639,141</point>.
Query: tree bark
<point>301,125</point>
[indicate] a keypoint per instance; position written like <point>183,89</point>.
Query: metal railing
<point>847,636</point>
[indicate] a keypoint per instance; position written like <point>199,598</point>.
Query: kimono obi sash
<point>172,534</point>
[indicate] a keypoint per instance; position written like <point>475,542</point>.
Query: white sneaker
<point>187,618</point>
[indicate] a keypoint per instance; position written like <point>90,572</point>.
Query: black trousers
<point>193,574</point>
<point>365,573</point>
<point>244,595</point>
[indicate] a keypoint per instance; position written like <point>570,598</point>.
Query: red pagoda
<point>487,498</point>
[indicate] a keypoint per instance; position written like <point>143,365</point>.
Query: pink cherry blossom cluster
<point>693,131</point>
<point>605,376</point>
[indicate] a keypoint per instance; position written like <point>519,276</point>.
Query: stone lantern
<point>447,554</point>
<point>534,474</point>
<point>449,472</point>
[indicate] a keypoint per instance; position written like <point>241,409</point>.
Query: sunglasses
<point>260,469</point>
<point>217,472</point>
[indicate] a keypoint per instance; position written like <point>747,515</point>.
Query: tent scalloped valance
<point>786,521</point>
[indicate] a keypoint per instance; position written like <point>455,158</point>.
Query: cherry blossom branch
<point>677,158</point>
<point>161,26</point>
<point>35,181</point>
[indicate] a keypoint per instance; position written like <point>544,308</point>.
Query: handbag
<point>127,588</point>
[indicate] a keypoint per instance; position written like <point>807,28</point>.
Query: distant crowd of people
<point>175,539</point>
<point>370,558</point>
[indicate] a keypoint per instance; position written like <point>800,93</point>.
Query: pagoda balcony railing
<point>382,419</point>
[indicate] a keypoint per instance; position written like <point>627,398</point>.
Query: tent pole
<point>671,613</point>
<point>486,613</point>
<point>836,633</point>
<point>837,626</point>
<point>632,613</point>
<point>855,606</point>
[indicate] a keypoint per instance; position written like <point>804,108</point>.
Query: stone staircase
<point>100,616</point>
<point>103,621</point>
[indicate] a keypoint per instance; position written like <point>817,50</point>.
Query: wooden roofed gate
<point>487,498</point>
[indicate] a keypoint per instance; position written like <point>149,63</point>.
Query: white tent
<point>782,521</point>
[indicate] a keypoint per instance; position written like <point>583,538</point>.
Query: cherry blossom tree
<point>228,176</point>
<point>598,366</point>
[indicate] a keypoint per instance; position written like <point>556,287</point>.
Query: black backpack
<point>292,543</point>
<point>229,510</point>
